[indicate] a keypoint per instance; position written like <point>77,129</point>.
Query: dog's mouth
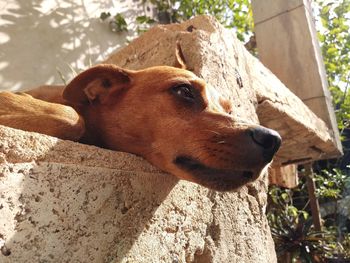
<point>213,178</point>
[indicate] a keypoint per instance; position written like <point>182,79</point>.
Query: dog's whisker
<point>230,124</point>
<point>215,132</point>
<point>212,141</point>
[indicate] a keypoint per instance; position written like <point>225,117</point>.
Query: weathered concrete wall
<point>66,202</point>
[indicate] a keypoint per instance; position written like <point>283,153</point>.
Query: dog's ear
<point>179,57</point>
<point>97,84</point>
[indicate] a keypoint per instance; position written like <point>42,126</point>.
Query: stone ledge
<point>68,202</point>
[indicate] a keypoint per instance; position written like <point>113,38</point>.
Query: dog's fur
<point>165,114</point>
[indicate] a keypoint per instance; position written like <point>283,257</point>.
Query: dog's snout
<point>269,140</point>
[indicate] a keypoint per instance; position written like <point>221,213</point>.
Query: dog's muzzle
<point>263,141</point>
<point>268,140</point>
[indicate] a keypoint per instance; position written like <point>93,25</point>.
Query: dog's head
<point>174,120</point>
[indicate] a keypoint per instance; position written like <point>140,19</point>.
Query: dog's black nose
<point>269,140</point>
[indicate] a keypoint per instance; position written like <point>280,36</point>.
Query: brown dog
<point>164,114</point>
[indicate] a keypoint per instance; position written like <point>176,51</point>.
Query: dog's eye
<point>184,91</point>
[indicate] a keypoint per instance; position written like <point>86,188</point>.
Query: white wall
<point>40,38</point>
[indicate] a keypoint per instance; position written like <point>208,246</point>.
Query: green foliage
<point>105,15</point>
<point>290,219</point>
<point>145,20</point>
<point>330,184</point>
<point>291,226</point>
<point>116,23</point>
<point>232,14</point>
<point>235,14</point>
<point>335,42</point>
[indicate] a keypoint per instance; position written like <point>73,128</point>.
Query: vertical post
<point>315,207</point>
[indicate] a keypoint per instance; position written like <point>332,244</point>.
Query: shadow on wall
<point>39,40</point>
<point>70,214</point>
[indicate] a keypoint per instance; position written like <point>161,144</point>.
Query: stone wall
<point>66,202</point>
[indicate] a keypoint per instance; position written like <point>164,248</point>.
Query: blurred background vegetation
<point>288,211</point>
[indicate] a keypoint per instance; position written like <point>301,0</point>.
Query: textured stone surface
<point>66,202</point>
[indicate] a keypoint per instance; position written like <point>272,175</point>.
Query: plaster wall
<point>44,42</point>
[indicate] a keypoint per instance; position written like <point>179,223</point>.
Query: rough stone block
<point>66,202</point>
